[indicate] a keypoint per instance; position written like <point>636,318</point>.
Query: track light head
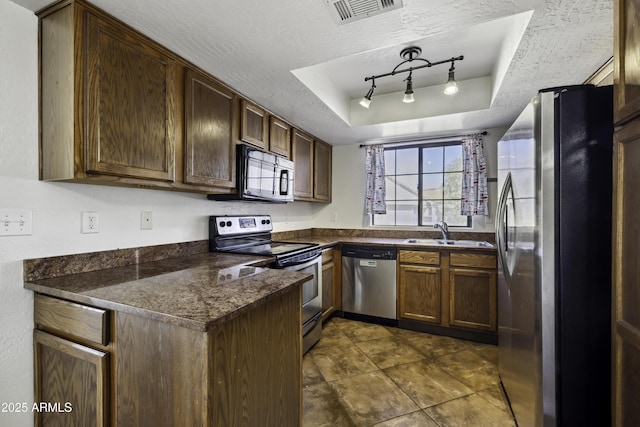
<point>451,87</point>
<point>408,93</point>
<point>366,100</point>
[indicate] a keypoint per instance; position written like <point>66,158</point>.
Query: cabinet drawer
<point>71,319</point>
<point>472,260</point>
<point>420,257</point>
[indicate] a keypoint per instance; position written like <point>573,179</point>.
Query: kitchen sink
<point>450,243</point>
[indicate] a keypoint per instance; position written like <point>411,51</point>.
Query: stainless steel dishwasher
<point>369,281</point>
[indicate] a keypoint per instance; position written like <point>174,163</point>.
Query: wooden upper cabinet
<point>279,137</point>
<point>322,171</point>
<point>254,126</point>
<point>626,76</point>
<point>129,103</point>
<point>210,132</point>
<point>107,100</point>
<point>312,158</point>
<point>117,108</point>
<point>302,155</point>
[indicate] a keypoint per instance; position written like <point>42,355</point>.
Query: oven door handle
<point>295,265</point>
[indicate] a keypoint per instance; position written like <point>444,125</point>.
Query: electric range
<point>251,235</point>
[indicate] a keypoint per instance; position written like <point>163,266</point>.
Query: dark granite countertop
<point>327,241</point>
<point>196,291</point>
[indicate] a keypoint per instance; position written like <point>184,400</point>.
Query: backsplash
<point>41,268</point>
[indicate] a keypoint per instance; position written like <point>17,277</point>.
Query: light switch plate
<point>15,222</point>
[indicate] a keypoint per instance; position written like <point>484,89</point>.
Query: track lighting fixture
<point>366,100</point>
<point>410,54</point>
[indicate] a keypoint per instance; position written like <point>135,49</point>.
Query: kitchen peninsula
<point>165,336</point>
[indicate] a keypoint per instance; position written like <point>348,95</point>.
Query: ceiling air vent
<point>344,11</point>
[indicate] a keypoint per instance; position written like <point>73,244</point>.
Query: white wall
<point>57,207</point>
<point>347,205</point>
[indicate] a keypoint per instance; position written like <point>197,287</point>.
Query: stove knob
<point>268,221</point>
<point>221,224</point>
<point>228,223</point>
<point>264,221</point>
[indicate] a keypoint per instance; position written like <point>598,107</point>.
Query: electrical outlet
<point>15,222</point>
<point>90,222</point>
<point>146,220</point>
<point>334,216</point>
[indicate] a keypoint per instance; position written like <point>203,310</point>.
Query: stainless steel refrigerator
<point>553,232</point>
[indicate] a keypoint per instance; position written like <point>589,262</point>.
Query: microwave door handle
<point>284,182</point>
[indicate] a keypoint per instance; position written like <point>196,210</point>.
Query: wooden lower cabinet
<point>420,293</point>
<point>72,383</point>
<point>331,282</point>
<point>472,298</point>
<point>448,292</point>
<point>246,371</point>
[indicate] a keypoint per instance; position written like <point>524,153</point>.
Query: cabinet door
<point>279,137</point>
<point>73,376</point>
<point>472,298</point>
<point>626,286</point>
<point>255,125</point>
<point>626,61</point>
<point>130,104</point>
<point>302,150</point>
<point>210,135</point>
<point>420,293</point>
<point>322,171</point>
<point>327,289</point>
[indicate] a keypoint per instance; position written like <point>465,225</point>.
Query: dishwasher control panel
<point>369,252</point>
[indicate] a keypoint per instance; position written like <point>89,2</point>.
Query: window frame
<point>420,145</point>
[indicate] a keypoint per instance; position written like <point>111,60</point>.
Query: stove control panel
<point>234,225</point>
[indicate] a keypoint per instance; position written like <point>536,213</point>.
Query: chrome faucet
<point>444,228</point>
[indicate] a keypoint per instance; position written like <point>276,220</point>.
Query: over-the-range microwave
<point>261,176</point>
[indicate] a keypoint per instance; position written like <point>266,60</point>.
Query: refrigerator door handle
<point>502,227</point>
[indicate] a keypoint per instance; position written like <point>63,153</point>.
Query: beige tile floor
<point>361,374</point>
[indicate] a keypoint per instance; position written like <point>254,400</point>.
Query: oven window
<point>310,288</point>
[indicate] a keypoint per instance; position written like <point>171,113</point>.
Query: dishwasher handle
<point>370,252</point>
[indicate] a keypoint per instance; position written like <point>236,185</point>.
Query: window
<point>423,183</point>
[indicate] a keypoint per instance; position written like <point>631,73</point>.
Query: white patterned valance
<point>475,200</point>
<point>375,186</point>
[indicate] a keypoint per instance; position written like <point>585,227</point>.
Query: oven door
<point>311,289</point>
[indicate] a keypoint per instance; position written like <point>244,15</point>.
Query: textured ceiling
<point>254,45</point>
